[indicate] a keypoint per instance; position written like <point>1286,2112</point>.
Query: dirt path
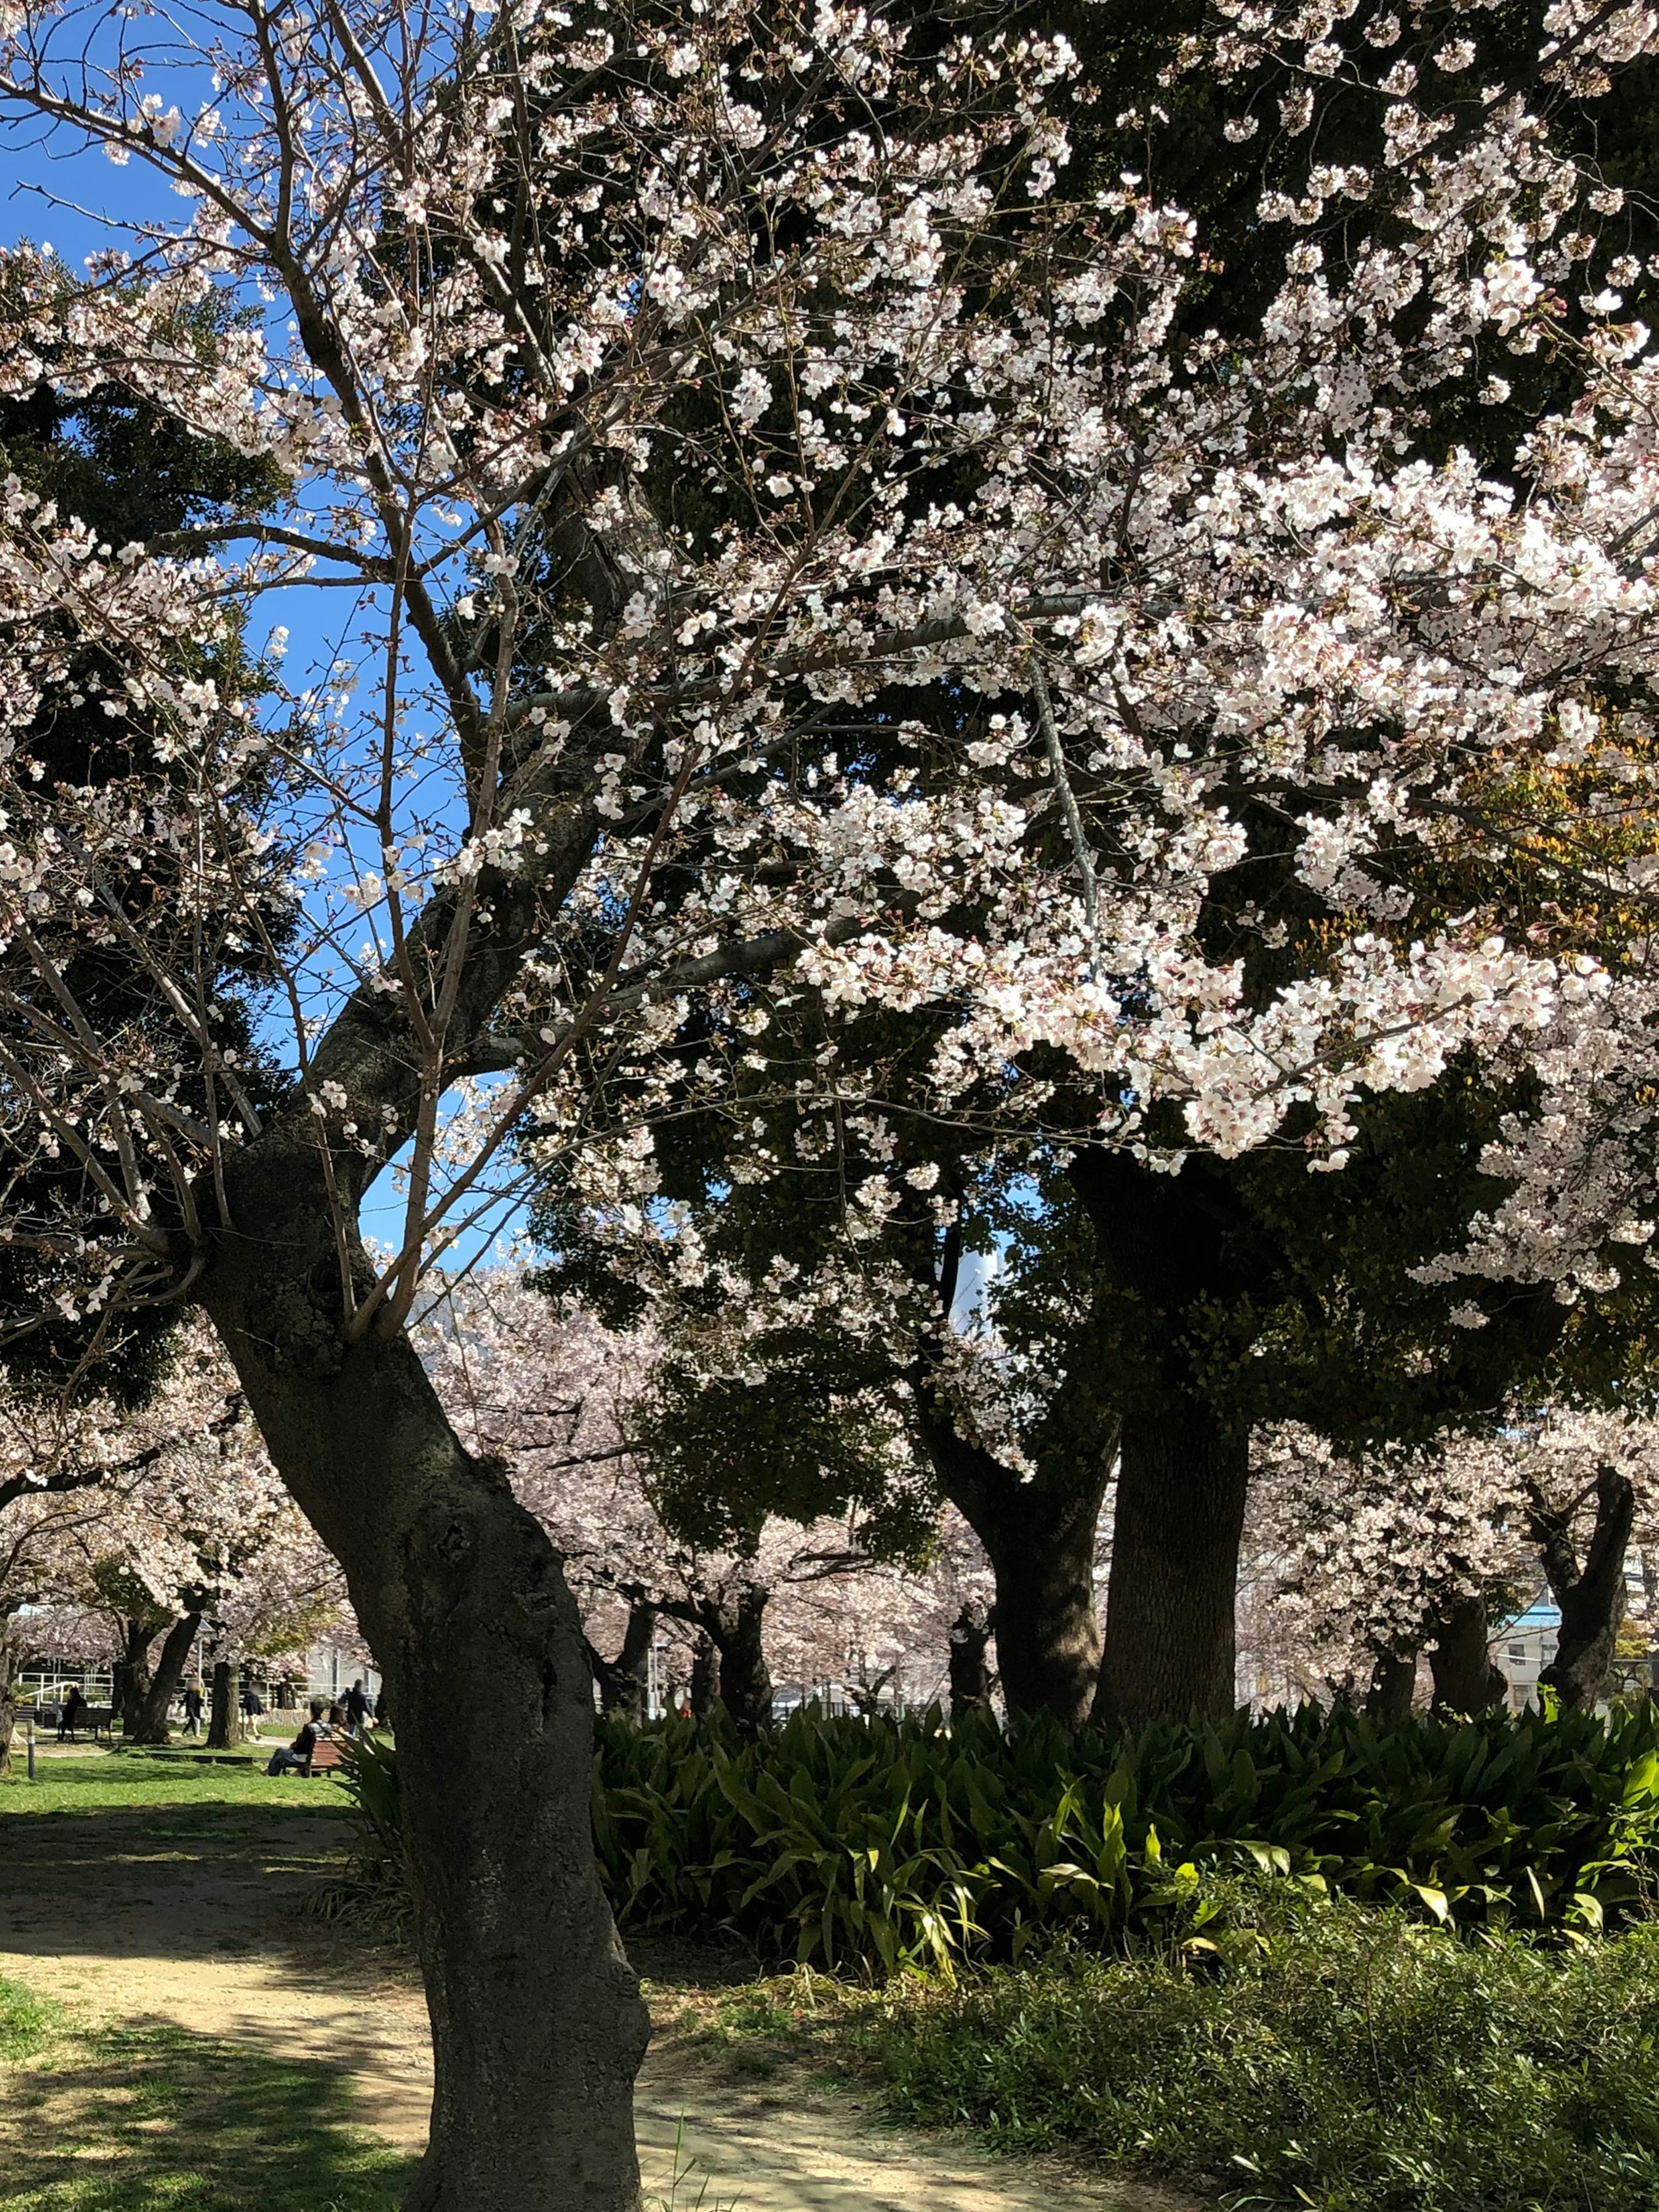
<point>190,1917</point>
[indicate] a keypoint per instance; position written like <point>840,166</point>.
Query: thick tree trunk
<point>11,1658</point>
<point>132,1680</point>
<point>537,2026</point>
<point>1041,1543</point>
<point>1393,1681</point>
<point>221,1716</point>
<point>970,1669</point>
<point>164,1683</point>
<point>1170,1647</point>
<point>1039,1536</point>
<point>1591,1598</point>
<point>624,1682</point>
<point>745,1678</point>
<point>1464,1678</point>
<point>705,1675</point>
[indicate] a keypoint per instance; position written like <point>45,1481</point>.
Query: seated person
<point>292,1758</point>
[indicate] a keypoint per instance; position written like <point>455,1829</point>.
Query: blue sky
<point>75,202</point>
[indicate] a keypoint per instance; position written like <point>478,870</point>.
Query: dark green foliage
<point>865,1845</point>
<point>1325,2057</point>
<point>869,1844</point>
<point>372,1889</point>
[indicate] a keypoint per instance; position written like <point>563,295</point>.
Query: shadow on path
<point>143,2117</point>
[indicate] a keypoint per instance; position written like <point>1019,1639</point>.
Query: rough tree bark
<point>1393,1683</point>
<point>624,1682</point>
<point>1460,1660</point>
<point>1171,1646</point>
<point>221,1714</point>
<point>131,1675</point>
<point>971,1668</point>
<point>705,1675</point>
<point>536,2021</point>
<point>1591,1596</point>
<point>163,1686</point>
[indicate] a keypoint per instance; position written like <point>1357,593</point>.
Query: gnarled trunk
<point>1393,1684</point>
<point>537,2026</point>
<point>222,1714</point>
<point>624,1682</point>
<point>1591,1598</point>
<point>157,1700</point>
<point>971,1668</point>
<point>1170,1647</point>
<point>1460,1660</point>
<point>745,1678</point>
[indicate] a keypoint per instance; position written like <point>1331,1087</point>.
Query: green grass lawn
<point>155,2119</point>
<point>123,1780</point>
<point>143,2116</point>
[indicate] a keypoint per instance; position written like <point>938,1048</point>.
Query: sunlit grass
<point>154,2118</point>
<point>131,1780</point>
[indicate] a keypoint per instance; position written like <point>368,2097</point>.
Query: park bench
<point>325,1756</point>
<point>95,1718</point>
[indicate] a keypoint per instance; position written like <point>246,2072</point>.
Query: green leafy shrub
<point>1342,2060</point>
<point>873,1845</point>
<point>876,1845</point>
<point>372,1890</point>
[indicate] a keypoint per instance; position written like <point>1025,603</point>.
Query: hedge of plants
<point>1319,2055</point>
<point>869,1846</point>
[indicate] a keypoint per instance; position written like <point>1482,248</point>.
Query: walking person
<point>69,1712</point>
<point>193,1705</point>
<point>356,1705</point>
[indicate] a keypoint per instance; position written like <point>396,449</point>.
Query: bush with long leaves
<point>871,1845</point>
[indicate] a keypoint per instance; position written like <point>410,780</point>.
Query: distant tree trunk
<point>866,1693</point>
<point>1041,1544</point>
<point>1464,1678</point>
<point>1591,1598</point>
<point>11,1658</point>
<point>705,1675</point>
<point>227,1693</point>
<point>132,1680</point>
<point>971,1671</point>
<point>1171,1646</point>
<point>1393,1681</point>
<point>164,1683</point>
<point>746,1680</point>
<point>740,1678</point>
<point>624,1682</point>
<point>1039,1535</point>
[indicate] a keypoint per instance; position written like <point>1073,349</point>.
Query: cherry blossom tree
<point>1369,1562</point>
<point>561,1402</point>
<point>672,401</point>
